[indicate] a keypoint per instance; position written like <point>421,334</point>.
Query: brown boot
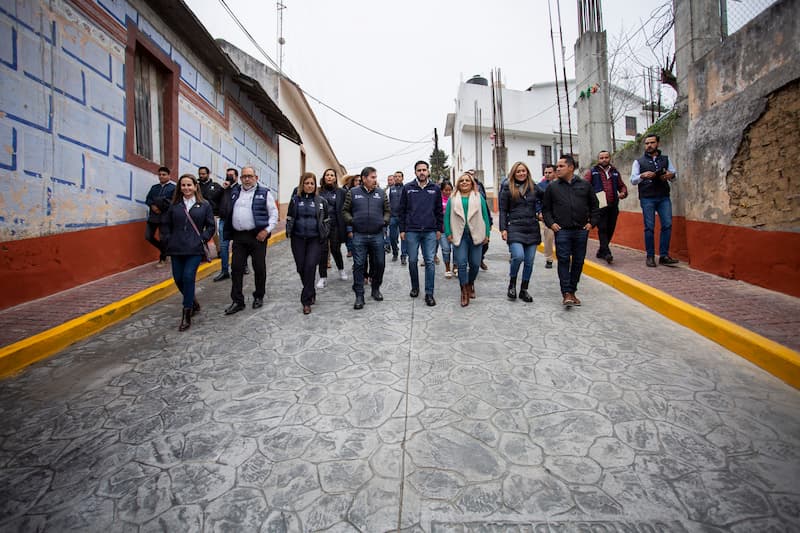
<point>186,319</point>
<point>471,290</point>
<point>464,296</point>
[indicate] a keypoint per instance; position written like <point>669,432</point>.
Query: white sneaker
<point>448,274</point>
<point>343,275</point>
<point>322,283</point>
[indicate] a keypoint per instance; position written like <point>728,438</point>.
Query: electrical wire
<point>283,74</point>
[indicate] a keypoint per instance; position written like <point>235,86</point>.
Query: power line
<point>282,74</point>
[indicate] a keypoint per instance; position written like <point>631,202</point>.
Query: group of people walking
<point>425,216</point>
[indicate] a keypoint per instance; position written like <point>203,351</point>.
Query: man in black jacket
<point>158,201</point>
<point>570,209</point>
<point>366,210</point>
<point>606,179</point>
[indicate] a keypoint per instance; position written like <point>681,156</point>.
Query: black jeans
<point>368,245</point>
<point>606,225</point>
<point>571,252</point>
<point>333,245</point>
<point>244,244</point>
<point>306,252</point>
<point>150,236</point>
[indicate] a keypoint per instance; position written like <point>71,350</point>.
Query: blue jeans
<point>368,244</point>
<point>467,255</point>
<point>224,254</point>
<point>519,253</point>
<point>184,272</point>
<point>570,251</point>
<point>663,206</point>
<point>394,235</point>
<point>427,240</point>
<point>446,247</point>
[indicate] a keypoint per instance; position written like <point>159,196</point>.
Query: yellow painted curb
<point>777,359</point>
<point>17,356</point>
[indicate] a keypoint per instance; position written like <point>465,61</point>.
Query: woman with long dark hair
<point>334,195</point>
<point>307,228</point>
<point>189,225</point>
<point>520,201</point>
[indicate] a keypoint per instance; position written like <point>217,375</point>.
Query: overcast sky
<point>396,66</point>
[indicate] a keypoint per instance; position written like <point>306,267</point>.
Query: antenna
<point>281,41</point>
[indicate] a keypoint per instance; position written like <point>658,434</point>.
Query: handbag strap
<point>192,222</point>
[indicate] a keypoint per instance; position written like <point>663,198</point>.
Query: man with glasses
<point>251,216</point>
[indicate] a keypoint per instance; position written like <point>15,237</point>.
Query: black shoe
<point>667,260</point>
<point>429,301</point>
<point>258,302</point>
<point>186,319</point>
<point>523,293</point>
<point>235,307</point>
<point>394,258</point>
<point>403,260</point>
<point>376,295</point>
<point>484,266</point>
<point>609,259</point>
<point>359,304</point>
<point>195,308</point>
<point>512,289</point>
<point>548,264</point>
<point>414,293</point>
<point>651,261</point>
<point>221,276</point>
<point>387,249</point>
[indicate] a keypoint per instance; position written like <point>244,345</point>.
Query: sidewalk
<point>770,314</point>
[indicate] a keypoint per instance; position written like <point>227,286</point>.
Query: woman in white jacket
<point>466,225</point>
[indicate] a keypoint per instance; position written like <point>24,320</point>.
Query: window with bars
<point>547,155</point>
<point>148,107</point>
<point>151,96</point>
<point>630,126</point>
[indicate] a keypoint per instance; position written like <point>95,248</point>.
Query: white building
<point>531,126</point>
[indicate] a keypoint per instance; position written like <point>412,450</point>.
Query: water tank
<point>478,80</point>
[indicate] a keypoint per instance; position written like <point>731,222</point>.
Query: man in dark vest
<point>606,179</point>
<point>366,210</point>
<point>158,201</point>
<point>652,173</point>
<point>249,220</point>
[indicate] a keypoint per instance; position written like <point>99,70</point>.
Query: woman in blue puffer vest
<point>307,226</point>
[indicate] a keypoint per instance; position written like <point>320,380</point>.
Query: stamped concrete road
<point>503,416</point>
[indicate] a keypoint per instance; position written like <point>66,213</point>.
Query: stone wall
<point>737,198</point>
<point>763,180</point>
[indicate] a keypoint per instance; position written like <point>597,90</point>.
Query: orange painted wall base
<point>34,268</point>
<point>769,259</point>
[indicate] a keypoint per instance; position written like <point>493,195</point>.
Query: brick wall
<point>763,182</point>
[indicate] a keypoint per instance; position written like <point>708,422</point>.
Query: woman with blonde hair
<point>520,201</point>
<point>189,225</point>
<point>466,225</point>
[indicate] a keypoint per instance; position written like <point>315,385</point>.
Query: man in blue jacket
<point>158,201</point>
<point>366,210</point>
<point>421,219</point>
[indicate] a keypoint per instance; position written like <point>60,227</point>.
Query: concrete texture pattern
<point>501,416</point>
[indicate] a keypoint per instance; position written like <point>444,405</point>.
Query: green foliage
<point>663,128</point>
<point>439,168</point>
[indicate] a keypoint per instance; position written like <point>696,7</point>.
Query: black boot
<point>512,289</point>
<point>195,307</point>
<point>523,293</point>
<point>186,320</point>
